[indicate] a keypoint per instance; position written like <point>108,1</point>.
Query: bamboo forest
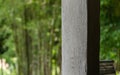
<point>30,36</point>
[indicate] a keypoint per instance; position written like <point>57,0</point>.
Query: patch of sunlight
<point>4,67</point>
<point>117,73</point>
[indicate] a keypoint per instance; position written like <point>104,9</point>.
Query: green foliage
<point>35,35</point>
<point>35,30</point>
<point>110,30</point>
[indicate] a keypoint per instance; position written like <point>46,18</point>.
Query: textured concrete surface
<point>74,37</point>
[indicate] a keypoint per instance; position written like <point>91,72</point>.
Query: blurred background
<point>30,36</point>
<point>110,31</point>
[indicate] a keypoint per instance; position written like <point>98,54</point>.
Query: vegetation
<point>110,31</point>
<point>30,36</point>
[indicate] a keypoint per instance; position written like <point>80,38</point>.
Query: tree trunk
<point>28,49</point>
<point>80,37</point>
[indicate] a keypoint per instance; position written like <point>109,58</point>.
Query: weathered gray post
<point>80,37</point>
